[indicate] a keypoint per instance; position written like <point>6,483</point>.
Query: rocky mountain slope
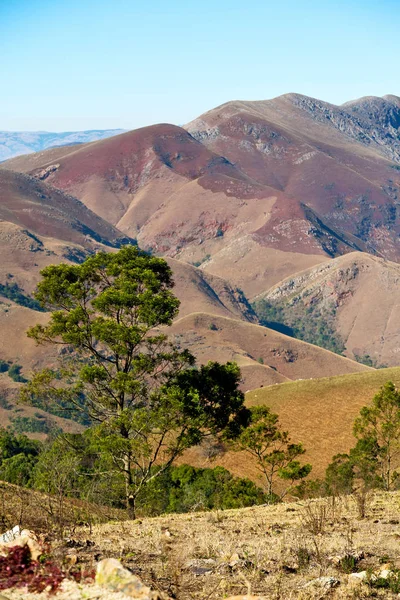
<point>338,164</point>
<point>15,143</point>
<point>355,296</point>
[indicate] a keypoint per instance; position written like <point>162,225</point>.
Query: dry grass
<point>270,551</point>
<point>320,412</point>
<point>46,514</point>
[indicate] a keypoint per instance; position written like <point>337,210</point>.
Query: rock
<point>201,566</point>
<point>25,538</point>
<point>358,577</point>
<point>111,574</point>
<point>327,583</point>
<point>10,535</point>
<point>385,573</point>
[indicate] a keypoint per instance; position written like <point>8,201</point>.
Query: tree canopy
<point>149,400</point>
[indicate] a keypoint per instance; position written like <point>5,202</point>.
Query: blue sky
<point>88,64</point>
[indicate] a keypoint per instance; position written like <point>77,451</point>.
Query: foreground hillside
<point>299,551</point>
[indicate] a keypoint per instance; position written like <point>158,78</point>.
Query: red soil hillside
<point>319,155</point>
<point>180,199</point>
<point>29,203</point>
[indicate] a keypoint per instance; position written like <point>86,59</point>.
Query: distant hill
<point>354,298</point>
<point>15,143</point>
<point>264,356</point>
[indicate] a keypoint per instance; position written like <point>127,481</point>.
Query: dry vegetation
<point>48,515</point>
<point>273,551</point>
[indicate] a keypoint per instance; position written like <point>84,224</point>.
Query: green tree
<point>355,473</point>
<point>378,427</point>
<point>272,449</point>
<point>149,400</point>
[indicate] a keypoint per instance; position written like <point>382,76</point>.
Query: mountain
<point>15,143</point>
<point>182,199</point>
<point>338,165</point>
<point>44,210</point>
<point>355,297</point>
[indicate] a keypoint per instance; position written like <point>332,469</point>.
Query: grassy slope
<point>320,412</point>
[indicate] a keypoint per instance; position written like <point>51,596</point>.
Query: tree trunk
<point>129,497</point>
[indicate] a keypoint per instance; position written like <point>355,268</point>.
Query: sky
<point>98,64</point>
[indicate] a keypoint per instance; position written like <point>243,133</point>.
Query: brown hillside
<point>317,412</point>
<point>320,155</point>
<point>321,412</point>
<point>363,293</point>
<point>180,199</point>
<point>43,210</point>
<point>211,337</point>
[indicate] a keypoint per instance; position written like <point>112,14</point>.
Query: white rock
<point>10,535</point>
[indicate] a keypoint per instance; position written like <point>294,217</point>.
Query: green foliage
<point>14,292</point>
<point>205,258</point>
<point>32,425</point>
<point>366,359</point>
<point>4,366</point>
<point>18,456</point>
<point>307,323</point>
<point>15,373</point>
<point>272,449</point>
<point>378,427</point>
<point>391,583</point>
<point>186,488</point>
<point>149,399</point>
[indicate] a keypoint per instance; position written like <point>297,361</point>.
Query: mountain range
<point>279,219</point>
<point>15,143</point>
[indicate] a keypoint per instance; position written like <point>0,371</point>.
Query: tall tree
<point>378,427</point>
<point>146,395</point>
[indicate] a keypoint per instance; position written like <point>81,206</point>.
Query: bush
<point>186,488</point>
<point>14,292</point>
<point>31,425</point>
<point>15,373</point>
<point>307,323</point>
<point>4,366</point>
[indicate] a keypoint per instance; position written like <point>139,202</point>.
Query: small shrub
<point>316,516</point>
<point>4,366</point>
<point>15,373</point>
<point>17,569</point>
<point>391,583</point>
<point>212,327</point>
<point>303,557</point>
<point>348,563</point>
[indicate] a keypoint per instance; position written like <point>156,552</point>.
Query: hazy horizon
<point>87,64</point>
